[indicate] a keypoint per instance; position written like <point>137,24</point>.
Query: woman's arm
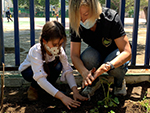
<point>124,56</point>
<point>125,51</point>
<point>78,64</point>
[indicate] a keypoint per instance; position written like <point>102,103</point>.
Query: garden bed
<point>15,101</point>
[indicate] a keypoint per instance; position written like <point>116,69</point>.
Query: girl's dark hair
<point>51,31</point>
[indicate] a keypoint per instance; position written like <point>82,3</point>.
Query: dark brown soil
<point>15,101</point>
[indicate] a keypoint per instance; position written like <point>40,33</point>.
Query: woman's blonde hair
<point>74,12</point>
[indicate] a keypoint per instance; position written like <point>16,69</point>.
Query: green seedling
<point>111,111</point>
<point>145,103</point>
<point>108,101</point>
<point>95,110</point>
<point>64,112</point>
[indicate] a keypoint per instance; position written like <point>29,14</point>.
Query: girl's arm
<point>71,82</point>
<point>68,75</point>
<point>48,87</point>
<point>54,92</point>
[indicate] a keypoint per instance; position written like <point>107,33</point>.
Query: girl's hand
<point>76,94</point>
<point>67,101</point>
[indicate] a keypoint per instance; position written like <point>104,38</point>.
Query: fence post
<point>147,48</point>
<point>122,10</point>
<point>108,2</point>
<point>63,12</point>
<point>1,36</point>
<point>135,31</point>
<point>47,10</point>
<point>16,33</point>
<point>32,29</point>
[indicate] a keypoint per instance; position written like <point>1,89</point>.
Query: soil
<point>15,101</point>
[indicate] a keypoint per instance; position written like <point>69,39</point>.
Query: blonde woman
<point>109,49</point>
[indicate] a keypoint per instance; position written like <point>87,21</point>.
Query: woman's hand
<point>95,73</point>
<point>85,77</point>
<point>89,78</point>
<point>103,68</point>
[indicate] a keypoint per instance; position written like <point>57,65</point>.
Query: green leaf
<point>92,111</point>
<point>114,105</point>
<point>111,111</point>
<point>105,106</point>
<point>110,96</point>
<point>100,103</point>
<point>110,104</point>
<point>96,109</point>
<point>116,100</point>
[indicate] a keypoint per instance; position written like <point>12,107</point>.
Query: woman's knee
<point>112,55</point>
<point>91,58</point>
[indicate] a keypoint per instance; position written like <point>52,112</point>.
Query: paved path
<point>24,23</point>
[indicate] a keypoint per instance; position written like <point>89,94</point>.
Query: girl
<point>44,63</point>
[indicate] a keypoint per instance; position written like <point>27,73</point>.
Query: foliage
<point>67,2</point>
<point>108,101</point>
<point>145,103</point>
<point>63,112</point>
<point>95,110</point>
<point>37,3</point>
<point>115,4</point>
<point>111,111</point>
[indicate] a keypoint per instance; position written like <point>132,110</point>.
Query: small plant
<point>108,101</point>
<point>145,103</point>
<point>111,111</point>
<point>63,112</point>
<point>95,110</point>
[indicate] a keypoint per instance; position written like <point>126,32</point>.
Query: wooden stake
<point>2,86</point>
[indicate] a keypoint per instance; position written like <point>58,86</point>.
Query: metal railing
<point>32,31</point>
